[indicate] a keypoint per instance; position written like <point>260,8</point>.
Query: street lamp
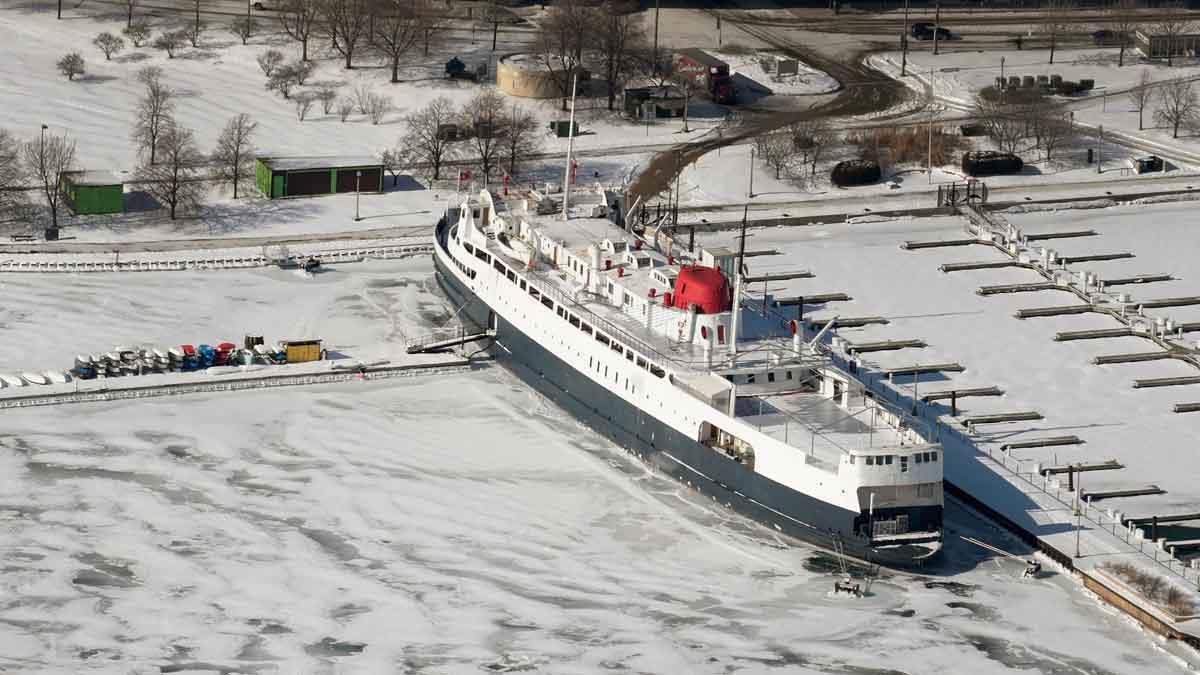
<point>357,192</point>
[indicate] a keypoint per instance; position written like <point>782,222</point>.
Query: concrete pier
<point>1000,418</point>
<point>1042,442</point>
<point>1065,336</point>
<point>1166,381</point>
<point>1043,236</point>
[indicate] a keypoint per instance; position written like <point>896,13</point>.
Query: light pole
<point>570,141</point>
<point>931,97</point>
<point>357,192</point>
<point>750,192</point>
<point>654,54</point>
<point>904,43</point>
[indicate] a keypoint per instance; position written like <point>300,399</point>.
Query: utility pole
<point>1078,511</point>
<point>357,192</point>
<point>904,43</point>
<point>570,142</point>
<point>247,18</point>
<point>750,193</point>
<point>718,29</point>
<point>1100,151</point>
<point>930,150</point>
<point>937,24</point>
<point>654,54</point>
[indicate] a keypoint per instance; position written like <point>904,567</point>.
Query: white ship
<point>663,352</point>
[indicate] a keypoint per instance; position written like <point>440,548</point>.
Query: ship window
<point>479,253</point>
<point>770,377</point>
<point>498,265</point>
<point>903,463</point>
<point>789,374</point>
<point>919,457</point>
<point>522,284</point>
<point>574,320</point>
<point>585,328</point>
<point>602,338</point>
<point>657,372</point>
<point>617,348</point>
<point>933,456</point>
<point>750,378</point>
<point>547,302</point>
<point>851,459</point>
<point>628,299</point>
<point>641,362</point>
<point>629,355</point>
<point>887,459</point>
<point>561,312</point>
<point>610,288</point>
<point>467,245</point>
<point>512,276</point>
<point>533,293</point>
<point>870,460</point>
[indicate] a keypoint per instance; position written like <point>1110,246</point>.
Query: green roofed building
<point>278,177</point>
<point>93,192</point>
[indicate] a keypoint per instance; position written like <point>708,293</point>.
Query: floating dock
<point>1152,382</point>
<point>1043,236</point>
<point>850,322</point>
<point>1135,357</point>
<point>961,393</point>
<point>1094,466</point>
<point>1042,443</point>
<point>1170,302</point>
<point>1038,312</point>
<point>1094,257</point>
<point>965,266</point>
<point>923,369</point>
<point>1136,279</point>
<point>1186,407</point>
<point>1100,333</point>
<point>1018,288</point>
<point>1001,418</point>
<point>814,299</point>
<point>885,346</point>
<point>942,243</point>
<point>1097,495</point>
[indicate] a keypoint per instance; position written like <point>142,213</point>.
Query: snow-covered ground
<point>958,76</point>
<point>1057,379</point>
<point>748,69</point>
<point>222,79</point>
<point>446,524</point>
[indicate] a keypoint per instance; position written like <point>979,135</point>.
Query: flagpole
<point>570,144</point>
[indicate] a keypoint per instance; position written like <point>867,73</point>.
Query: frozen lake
<point>449,524</point>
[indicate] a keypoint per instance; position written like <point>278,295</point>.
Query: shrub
<point>71,65</point>
<point>855,172</point>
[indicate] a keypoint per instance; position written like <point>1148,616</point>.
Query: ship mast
<point>737,286</point>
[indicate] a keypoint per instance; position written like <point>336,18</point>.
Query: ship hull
<point>663,447</point>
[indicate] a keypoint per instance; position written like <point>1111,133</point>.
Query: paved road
<point>415,232</point>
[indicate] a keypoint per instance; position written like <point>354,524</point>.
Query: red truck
<point>706,72</point>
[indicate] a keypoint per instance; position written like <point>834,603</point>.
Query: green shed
<point>278,177</point>
<point>93,192</point>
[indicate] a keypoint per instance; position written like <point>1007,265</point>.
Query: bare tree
<point>1051,126</point>
<point>170,41</point>
<point>282,80</point>
<point>46,159</point>
<point>12,173</point>
<point>1139,96</point>
<point>327,95</point>
<point>302,70</point>
<point>193,33</point>
<point>566,32</point>
<point>109,44</point>
<point>377,107</point>
<point>1122,16</point>
<point>362,97</point>
<point>425,140</point>
<point>299,19</point>
<point>269,60</point>
<point>233,158</point>
<point>345,23</point>
<point>153,115</point>
<point>810,138</point>
<point>129,5</point>
<point>1174,21</point>
<point>197,28</point>
<point>620,39</point>
<point>775,149</point>
<point>137,33</point>
<point>483,118</point>
<point>243,28</point>
<point>344,108</point>
<point>71,65</point>
<point>174,181</point>
<point>304,103</point>
<point>393,160</point>
<point>1177,104</point>
<point>395,32</point>
<point>522,139</point>
<point>1057,19</point>
<point>1005,122</point>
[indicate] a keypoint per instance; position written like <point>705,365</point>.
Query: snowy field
<point>1057,379</point>
<point>371,528</point>
<point>958,76</point>
<point>221,79</point>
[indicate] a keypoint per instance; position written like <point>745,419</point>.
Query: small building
<point>278,177</point>
<point>1159,46</point>
<point>93,192</point>
<point>302,351</point>
<point>526,76</point>
<point>665,101</point>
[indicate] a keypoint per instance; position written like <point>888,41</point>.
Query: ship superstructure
<point>662,351</point>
